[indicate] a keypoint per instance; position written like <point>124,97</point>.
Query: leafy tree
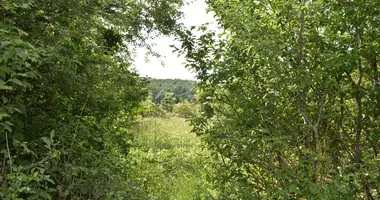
<point>168,101</point>
<point>68,94</point>
<point>290,95</point>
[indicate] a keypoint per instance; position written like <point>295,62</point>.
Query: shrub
<point>186,109</point>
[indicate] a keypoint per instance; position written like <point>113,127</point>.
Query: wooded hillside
<point>182,89</point>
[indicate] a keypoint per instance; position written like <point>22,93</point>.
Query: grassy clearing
<point>169,160</point>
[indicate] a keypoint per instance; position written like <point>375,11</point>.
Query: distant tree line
<point>181,89</point>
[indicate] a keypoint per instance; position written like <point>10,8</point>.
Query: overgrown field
<point>169,160</point>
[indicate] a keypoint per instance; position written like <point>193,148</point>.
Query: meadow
<point>169,160</point>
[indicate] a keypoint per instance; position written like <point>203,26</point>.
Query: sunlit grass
<point>165,133</point>
<point>170,159</point>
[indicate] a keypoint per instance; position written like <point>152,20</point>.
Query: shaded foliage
<point>68,95</point>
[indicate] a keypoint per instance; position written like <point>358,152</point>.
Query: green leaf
<point>21,53</point>
<point>17,110</point>
<point>7,55</point>
<point>3,115</point>
<point>49,179</point>
<point>9,123</point>
<point>5,87</point>
<point>264,130</point>
<point>31,74</point>
<point>16,81</point>
<point>5,69</point>
<point>22,74</point>
<point>4,44</point>
<point>52,134</point>
<point>47,142</point>
<point>7,127</point>
<point>294,189</point>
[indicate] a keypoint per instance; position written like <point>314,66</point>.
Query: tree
<point>290,98</point>
<point>168,101</point>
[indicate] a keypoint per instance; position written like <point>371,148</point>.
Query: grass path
<point>169,160</point>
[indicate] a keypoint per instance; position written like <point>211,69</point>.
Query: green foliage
<point>150,109</point>
<point>186,109</point>
<point>168,102</point>
<point>290,98</point>
<point>182,89</point>
<point>69,96</point>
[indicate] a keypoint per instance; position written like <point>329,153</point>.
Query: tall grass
<point>169,160</point>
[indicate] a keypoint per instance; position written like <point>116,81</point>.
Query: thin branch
<point>374,68</point>
<point>9,152</point>
<point>350,78</point>
<point>3,168</point>
<point>361,71</point>
<point>320,109</point>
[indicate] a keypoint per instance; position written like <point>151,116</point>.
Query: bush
<point>186,109</point>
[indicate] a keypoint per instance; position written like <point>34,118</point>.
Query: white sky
<point>194,15</point>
